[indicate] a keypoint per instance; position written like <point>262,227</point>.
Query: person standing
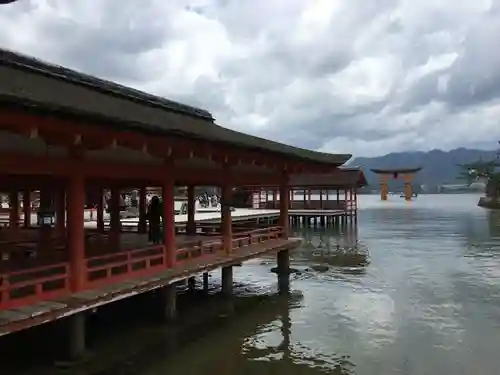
<point>154,217</point>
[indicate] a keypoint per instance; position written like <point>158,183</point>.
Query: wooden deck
<point>316,212</point>
<point>23,317</point>
<point>212,217</point>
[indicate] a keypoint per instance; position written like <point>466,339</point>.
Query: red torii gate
<point>406,174</point>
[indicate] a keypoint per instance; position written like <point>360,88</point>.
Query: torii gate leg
<point>384,189</point>
<point>407,178</point>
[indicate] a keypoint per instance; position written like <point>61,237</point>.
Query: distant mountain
<point>438,167</point>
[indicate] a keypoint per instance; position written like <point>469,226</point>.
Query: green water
<point>416,291</point>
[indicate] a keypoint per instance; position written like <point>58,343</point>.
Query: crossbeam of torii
<point>406,174</point>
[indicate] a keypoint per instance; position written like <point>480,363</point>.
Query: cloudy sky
<point>361,76</point>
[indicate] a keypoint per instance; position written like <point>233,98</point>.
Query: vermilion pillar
<point>27,208</point>
<point>226,220</point>
<point>60,203</point>
<point>346,199</point>
<point>142,210</point>
<point>75,238</point>
<point>384,189</point>
<point>100,210</point>
<point>191,210</point>
<point>115,222</point>
<point>284,204</point>
<point>169,222</point>
<point>14,209</point>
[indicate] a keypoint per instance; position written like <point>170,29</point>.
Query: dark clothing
<point>154,217</point>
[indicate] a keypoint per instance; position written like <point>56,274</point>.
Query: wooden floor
<point>316,212</point>
<point>210,217</point>
<point>24,317</point>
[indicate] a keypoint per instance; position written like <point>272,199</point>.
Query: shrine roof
<point>342,177</point>
<point>44,88</point>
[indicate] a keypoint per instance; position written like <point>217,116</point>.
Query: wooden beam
<point>40,165</point>
<point>63,132</point>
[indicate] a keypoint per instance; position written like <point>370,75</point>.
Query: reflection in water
<point>287,357</point>
<point>428,302</point>
<point>333,246</point>
<point>260,343</point>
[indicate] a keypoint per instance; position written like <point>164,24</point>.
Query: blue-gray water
<point>428,302</point>
<point>415,290</point>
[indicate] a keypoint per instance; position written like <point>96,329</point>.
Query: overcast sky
<point>366,77</point>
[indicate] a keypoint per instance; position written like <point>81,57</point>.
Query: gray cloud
<point>338,76</point>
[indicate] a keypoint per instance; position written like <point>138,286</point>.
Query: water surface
<point>428,302</point>
<point>414,289</point>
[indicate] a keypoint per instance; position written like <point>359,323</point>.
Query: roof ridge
<point>22,61</point>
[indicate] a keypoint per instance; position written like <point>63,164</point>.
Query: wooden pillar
<point>284,205</point>
<point>309,193</point>
<point>355,200</point>
<point>14,209</point>
<point>407,179</point>
<point>115,223</point>
<point>205,281</point>
<point>169,222</point>
<point>338,196</point>
<point>191,211</point>
<point>114,210</point>
<point>100,210</point>
<point>46,210</point>
<point>76,335</point>
<point>142,226</point>
<point>384,189</point>
<point>275,198</point>
<point>75,237</point>
<point>283,271</point>
<point>346,199</point>
<point>60,203</point>
<point>226,220</point>
<point>227,280</point>
<point>320,198</point>
<point>169,301</point>
<point>27,208</point>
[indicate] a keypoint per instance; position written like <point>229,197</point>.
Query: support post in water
<point>76,336</point>
<point>283,271</point>
<point>205,282</point>
<point>169,297</point>
<point>227,280</point>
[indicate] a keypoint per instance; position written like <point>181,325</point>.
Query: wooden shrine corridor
<point>29,276</point>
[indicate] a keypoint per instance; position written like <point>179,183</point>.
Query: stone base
<point>490,203</point>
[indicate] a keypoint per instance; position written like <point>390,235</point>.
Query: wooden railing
<point>308,205</point>
<point>197,249</point>
<point>20,288</point>
<point>103,269</point>
<point>256,236</point>
<point>351,207</point>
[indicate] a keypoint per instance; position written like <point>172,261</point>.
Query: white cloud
<point>339,76</point>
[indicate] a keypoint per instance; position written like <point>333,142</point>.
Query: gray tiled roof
<point>36,84</point>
